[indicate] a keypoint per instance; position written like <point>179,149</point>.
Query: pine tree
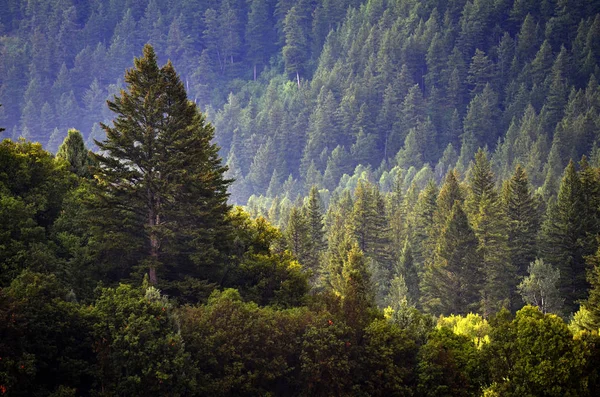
<point>592,302</point>
<point>363,214</point>
<point>422,234</point>
<point>488,220</point>
<point>452,283</point>
<point>481,72</point>
<point>314,214</point>
<point>407,270</point>
<point>160,174</point>
<point>357,293</point>
<point>523,221</point>
<point>560,235</point>
<point>296,234</point>
<point>258,33</point>
<point>295,51</point>
<point>74,152</point>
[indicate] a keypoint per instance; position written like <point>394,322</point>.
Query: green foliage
<point>389,359</point>
<point>449,364</point>
<point>160,173</point>
<point>381,88</point>
<point>326,357</point>
<point>472,325</point>
<point>534,353</point>
<point>451,284</point>
<point>46,342</point>
<point>139,348</point>
<point>239,348</point>
<point>73,151</point>
<point>32,188</point>
<point>540,287</point>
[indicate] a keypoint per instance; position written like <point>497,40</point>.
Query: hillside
<point>418,181</point>
<point>382,84</point>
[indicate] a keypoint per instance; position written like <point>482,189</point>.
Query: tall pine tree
<point>159,178</point>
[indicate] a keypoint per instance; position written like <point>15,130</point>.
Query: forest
<point>311,198</point>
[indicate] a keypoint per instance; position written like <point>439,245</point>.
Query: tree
<point>523,220</point>
<point>560,239</point>
<point>159,172</point>
<point>449,364</point>
<point>540,287</point>
<point>357,292</point>
<point>139,347</point>
<point>489,223</point>
<point>592,304</point>
<point>452,283</point>
<point>295,51</point>
<point>406,268</point>
<point>258,33</point>
<point>74,152</point>
<point>297,234</point>
<point>532,354</point>
<point>46,345</point>
<point>314,216</point>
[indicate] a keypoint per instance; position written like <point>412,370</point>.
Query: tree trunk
<point>254,72</point>
<point>298,78</point>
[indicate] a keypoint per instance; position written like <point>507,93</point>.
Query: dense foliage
<point>422,190</point>
<point>302,92</point>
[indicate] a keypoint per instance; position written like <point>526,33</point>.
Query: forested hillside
<point>418,181</point>
<point>312,89</point>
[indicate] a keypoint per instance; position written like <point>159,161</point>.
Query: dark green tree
<point>523,220</point>
<point>295,51</point>
<point>160,173</point>
<point>139,347</point>
<point>452,283</point>
<point>560,239</point>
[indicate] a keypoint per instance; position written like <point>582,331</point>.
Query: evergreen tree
<point>295,51</point>
<point>592,304</point>
<point>296,233</point>
<point>422,235</point>
<point>314,214</point>
<point>488,220</point>
<point>74,152</point>
<point>452,283</point>
<point>160,173</point>
<point>560,239</point>
<point>357,293</point>
<point>407,270</point>
<point>523,221</point>
<point>258,33</point>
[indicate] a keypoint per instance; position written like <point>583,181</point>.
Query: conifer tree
<point>560,235</point>
<point>488,220</point>
<point>452,283</point>
<point>296,234</point>
<point>421,236</point>
<point>406,268</point>
<point>73,150</point>
<point>363,214</point>
<point>592,302</point>
<point>450,193</point>
<point>357,293</point>
<point>160,179</point>
<point>295,51</point>
<point>523,221</point>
